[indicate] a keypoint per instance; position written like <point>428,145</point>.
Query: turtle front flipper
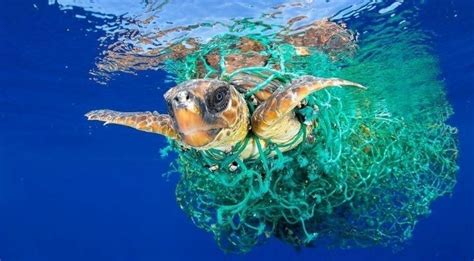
<point>272,120</point>
<point>144,121</point>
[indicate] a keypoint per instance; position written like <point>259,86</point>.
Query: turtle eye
<point>217,100</point>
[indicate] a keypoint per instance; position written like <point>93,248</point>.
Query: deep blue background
<point>73,190</point>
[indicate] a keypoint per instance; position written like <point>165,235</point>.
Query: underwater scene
<point>236,130</point>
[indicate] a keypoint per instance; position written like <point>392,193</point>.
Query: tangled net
<point>380,157</point>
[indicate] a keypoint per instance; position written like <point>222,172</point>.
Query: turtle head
<point>208,113</point>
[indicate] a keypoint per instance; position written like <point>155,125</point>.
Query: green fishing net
<point>376,160</point>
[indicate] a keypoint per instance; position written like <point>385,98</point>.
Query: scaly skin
<point>144,121</point>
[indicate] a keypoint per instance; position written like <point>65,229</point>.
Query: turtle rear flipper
<point>144,121</point>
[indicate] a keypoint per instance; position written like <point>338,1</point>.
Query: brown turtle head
<point>208,113</point>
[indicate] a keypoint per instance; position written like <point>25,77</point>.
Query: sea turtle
<point>213,114</point>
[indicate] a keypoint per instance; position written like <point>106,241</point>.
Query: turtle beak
<point>194,131</point>
<point>185,109</point>
<point>189,119</point>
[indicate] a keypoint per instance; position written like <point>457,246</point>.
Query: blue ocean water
<point>70,192</point>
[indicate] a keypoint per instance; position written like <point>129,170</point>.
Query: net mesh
<point>378,159</point>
